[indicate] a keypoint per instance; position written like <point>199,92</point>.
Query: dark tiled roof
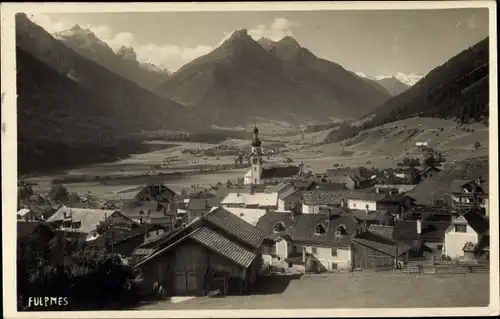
<point>430,230</point>
<point>331,186</point>
<point>479,223</point>
<point>301,229</point>
<point>317,197</point>
<point>235,226</point>
<point>213,241</point>
<point>388,249</point>
<point>280,172</point>
<point>405,230</point>
<point>222,245</point>
<point>381,216</point>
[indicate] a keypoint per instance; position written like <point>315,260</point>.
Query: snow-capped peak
<point>83,38</point>
<point>408,79</point>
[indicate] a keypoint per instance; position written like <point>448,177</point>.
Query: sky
<point>376,42</point>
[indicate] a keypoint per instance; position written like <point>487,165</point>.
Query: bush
<point>90,280</point>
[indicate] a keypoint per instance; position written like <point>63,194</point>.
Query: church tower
<point>256,157</point>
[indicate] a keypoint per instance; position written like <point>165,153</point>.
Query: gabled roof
<point>477,222</point>
<point>382,243</point>
<point>318,197</point>
<point>155,192</point>
<point>235,226</point>
<point>89,218</point>
<point>213,241</point>
<point>280,172</point>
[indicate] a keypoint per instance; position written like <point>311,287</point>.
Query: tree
<point>477,145</point>
<point>58,193</point>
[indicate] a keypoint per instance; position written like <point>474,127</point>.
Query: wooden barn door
<point>191,281</point>
<point>180,282</point>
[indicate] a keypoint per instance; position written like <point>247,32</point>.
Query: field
<point>381,147</point>
<point>359,290</point>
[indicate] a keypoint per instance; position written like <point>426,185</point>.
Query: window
<point>66,224</point>
<point>439,247</point>
<point>319,229</point>
<point>334,266</point>
<point>255,169</point>
<point>367,206</point>
<point>353,204</point>
<point>147,235</point>
<point>461,228</point>
<point>314,250</point>
<point>333,252</point>
<point>255,181</point>
<point>76,224</point>
<point>278,227</point>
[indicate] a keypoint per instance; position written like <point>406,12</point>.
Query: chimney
<point>390,191</point>
<point>377,190</point>
<point>419,226</point>
<point>238,194</point>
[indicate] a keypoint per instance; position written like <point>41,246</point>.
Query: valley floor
<point>357,290</point>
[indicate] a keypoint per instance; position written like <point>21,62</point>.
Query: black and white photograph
<point>212,158</point>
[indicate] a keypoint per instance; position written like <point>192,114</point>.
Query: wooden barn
<point>218,251</point>
<point>372,251</point>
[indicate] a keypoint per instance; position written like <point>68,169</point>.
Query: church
<point>258,174</point>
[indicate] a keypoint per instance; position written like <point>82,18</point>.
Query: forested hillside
<point>457,89</point>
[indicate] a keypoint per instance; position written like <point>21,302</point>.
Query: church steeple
<point>256,157</point>
<point>256,141</point>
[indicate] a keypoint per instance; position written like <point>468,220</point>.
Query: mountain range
<point>123,62</point>
<point>243,79</point>
<point>409,79</point>
<point>71,109</point>
<point>457,89</point>
<point>78,97</point>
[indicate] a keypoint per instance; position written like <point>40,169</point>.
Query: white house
<point>466,230</point>
<point>421,144</point>
<point>363,200</point>
<point>251,200</point>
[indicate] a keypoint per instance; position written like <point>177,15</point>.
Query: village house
<point>347,182</point>
<point>289,199</point>
<point>151,212</point>
<point>312,201</point>
<point>258,174</point>
<point>466,195</point>
<point>123,241</point>
<point>159,193</point>
<point>363,200</point>
<point>469,233</point>
<point>330,242</point>
<point>197,204</point>
<point>218,251</point>
<point>83,223</point>
<point>251,200</point>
